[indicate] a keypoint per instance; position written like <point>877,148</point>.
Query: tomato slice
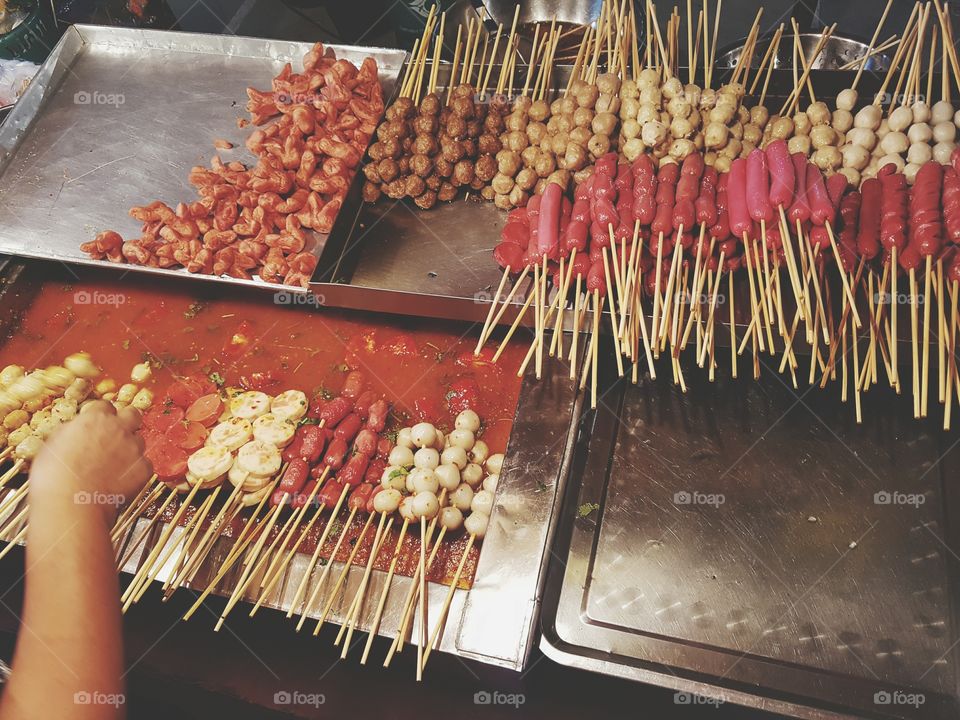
<point>205,410</point>
<point>160,418</point>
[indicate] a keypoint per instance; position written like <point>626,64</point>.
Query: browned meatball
<point>371,174</point>
<point>452,150</point>
<point>414,186</point>
<point>447,192</point>
<point>396,189</point>
<point>425,145</point>
<point>469,148</point>
<point>463,172</point>
<point>463,106</point>
<point>392,129</point>
<point>487,193</point>
<point>477,184</point>
<point>421,165</point>
<point>443,167</point>
<point>530,155</point>
<point>371,192</point>
<point>375,151</point>
<point>486,168</point>
<point>427,200</point>
<point>494,123</point>
<point>391,148</point>
<point>488,144</point>
<point>434,182</point>
<point>404,107</point>
<point>522,103</point>
<point>456,126</point>
<point>474,128</point>
<point>499,105</point>
<point>536,131</point>
<point>464,90</point>
<point>430,105</point>
<point>426,125</point>
<point>388,169</point>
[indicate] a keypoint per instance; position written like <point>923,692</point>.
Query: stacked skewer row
<point>680,185</point>
<point>218,453</point>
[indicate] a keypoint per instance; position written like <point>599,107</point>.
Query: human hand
<point>95,459</point>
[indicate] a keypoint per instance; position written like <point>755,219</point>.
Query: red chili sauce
<point>427,370</point>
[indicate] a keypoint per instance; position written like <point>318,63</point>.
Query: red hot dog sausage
<point>740,222</point>
<point>782,175</point>
<point>758,187</point>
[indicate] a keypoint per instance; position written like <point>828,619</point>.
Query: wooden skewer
<point>356,607</point>
<point>133,512</point>
<point>769,56</point>
<point>134,544</point>
<point>135,505</point>
<point>410,600</point>
<point>382,602</point>
<point>925,378</point>
<point>445,608</point>
<point>187,534</point>
<point>326,568</point>
<point>191,537</point>
<point>488,327</point>
<point>335,592</point>
<point>422,614</point>
<point>873,40</point>
<point>144,573</point>
<point>246,536</point>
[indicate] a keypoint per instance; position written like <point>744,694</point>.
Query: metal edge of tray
<point>508,583</point>
<point>578,535</point>
<point>47,82</point>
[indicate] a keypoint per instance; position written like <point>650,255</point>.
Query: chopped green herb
<point>217,379</point>
<point>391,435</point>
<point>309,421</point>
<point>587,508</point>
<point>399,472</point>
<point>195,308</point>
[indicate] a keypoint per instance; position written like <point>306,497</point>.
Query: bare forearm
<point>69,657</point>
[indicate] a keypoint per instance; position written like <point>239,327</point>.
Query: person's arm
<point>69,658</point>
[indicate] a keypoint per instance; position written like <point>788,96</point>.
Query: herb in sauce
<point>195,309</point>
<point>217,379</point>
<point>587,509</point>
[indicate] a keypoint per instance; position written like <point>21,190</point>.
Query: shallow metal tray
<point>116,117</point>
<point>752,545</point>
<point>494,621</point>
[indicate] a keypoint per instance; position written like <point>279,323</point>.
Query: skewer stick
<point>422,614</point>
<point>209,538</point>
<point>133,512</point>
<point>733,322</point>
<point>246,536</point>
<point>613,317</point>
<point>768,56</point>
<point>144,573</point>
<point>914,320</point>
<point>882,47</point>
<point>185,546</point>
<point>135,504</point>
<point>503,307</point>
<point>331,598</point>
<point>873,41</point>
<point>302,587</point>
<point>513,327</point>
<point>381,604</point>
<point>794,96</point>
<point>133,545</point>
<point>356,607</point>
<point>493,308</point>
<point>445,608</point>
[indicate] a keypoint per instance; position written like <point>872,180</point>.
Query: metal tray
<point>752,545</point>
<point>117,117</point>
<point>513,557</point>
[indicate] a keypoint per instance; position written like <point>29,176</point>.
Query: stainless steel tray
<point>495,621</point>
<point>116,117</point>
<point>752,545</point>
